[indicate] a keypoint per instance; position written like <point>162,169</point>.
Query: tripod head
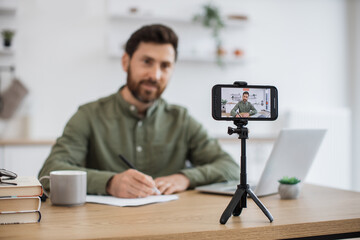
<point>241,130</point>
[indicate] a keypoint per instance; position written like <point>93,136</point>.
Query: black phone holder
<point>238,202</point>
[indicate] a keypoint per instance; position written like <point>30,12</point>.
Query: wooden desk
<point>318,211</point>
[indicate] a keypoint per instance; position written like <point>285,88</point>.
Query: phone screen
<point>248,102</point>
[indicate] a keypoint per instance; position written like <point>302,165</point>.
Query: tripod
<point>238,202</point>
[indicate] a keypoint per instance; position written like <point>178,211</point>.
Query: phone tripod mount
<point>238,202</point>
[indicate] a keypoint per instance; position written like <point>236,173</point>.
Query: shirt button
<point>140,123</point>
<point>139,149</point>
<point>132,108</point>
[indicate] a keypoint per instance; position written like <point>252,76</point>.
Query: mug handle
<point>45,192</point>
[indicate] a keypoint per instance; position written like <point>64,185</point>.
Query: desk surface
<point>318,211</point>
<point>25,142</point>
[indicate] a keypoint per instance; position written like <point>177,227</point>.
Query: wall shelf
<point>7,52</point>
<point>116,53</point>
<point>197,44</point>
<point>231,21</point>
<point>211,58</point>
<point>8,7</point>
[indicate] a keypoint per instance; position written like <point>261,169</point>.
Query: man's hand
<point>131,184</point>
<point>244,114</point>
<point>172,183</point>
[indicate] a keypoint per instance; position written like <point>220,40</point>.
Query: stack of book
<point>20,203</point>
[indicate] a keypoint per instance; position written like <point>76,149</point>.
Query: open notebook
<point>292,155</point>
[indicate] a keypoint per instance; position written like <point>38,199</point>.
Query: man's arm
<point>210,163</point>
<point>253,110</point>
<point>233,111</point>
<point>69,153</point>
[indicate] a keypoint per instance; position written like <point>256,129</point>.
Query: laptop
<point>292,155</point>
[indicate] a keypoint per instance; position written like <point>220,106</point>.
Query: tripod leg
<point>239,207</point>
<point>235,201</point>
<point>260,205</point>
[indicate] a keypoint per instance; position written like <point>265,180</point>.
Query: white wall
<point>61,55</point>
<point>61,58</point>
<point>299,46</point>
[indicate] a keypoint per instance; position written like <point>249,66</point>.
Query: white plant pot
<point>289,191</point>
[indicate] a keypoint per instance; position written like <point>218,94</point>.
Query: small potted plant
<point>7,36</point>
<point>223,103</point>
<point>289,188</point>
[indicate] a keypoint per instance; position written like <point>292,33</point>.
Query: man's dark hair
<point>246,93</point>
<point>155,33</point>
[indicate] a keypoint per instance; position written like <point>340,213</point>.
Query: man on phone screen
<point>244,108</point>
<point>157,138</point>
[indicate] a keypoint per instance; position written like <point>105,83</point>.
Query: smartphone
<point>251,102</point>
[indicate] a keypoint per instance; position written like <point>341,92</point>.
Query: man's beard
<point>144,96</point>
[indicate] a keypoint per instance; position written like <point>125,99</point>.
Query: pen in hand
<point>130,165</point>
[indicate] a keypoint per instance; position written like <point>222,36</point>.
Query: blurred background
<point>66,53</point>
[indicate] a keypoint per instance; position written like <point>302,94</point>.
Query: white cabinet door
<point>24,160</point>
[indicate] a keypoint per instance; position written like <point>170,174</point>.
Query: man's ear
<point>125,61</point>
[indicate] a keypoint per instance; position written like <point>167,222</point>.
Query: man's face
<point>245,97</point>
<point>149,70</point>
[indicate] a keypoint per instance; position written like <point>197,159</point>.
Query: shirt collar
<point>130,109</point>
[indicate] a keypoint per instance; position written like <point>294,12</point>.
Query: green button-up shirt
<point>158,144</point>
<point>243,107</point>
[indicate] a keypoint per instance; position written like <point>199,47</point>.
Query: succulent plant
<point>290,181</point>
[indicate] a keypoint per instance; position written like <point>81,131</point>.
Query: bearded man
<point>243,108</point>
<point>157,138</point>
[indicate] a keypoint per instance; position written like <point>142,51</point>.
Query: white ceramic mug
<point>67,187</point>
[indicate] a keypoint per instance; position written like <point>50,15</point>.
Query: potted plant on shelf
<point>223,103</point>
<point>289,188</point>
<point>211,18</point>
<point>7,36</point>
